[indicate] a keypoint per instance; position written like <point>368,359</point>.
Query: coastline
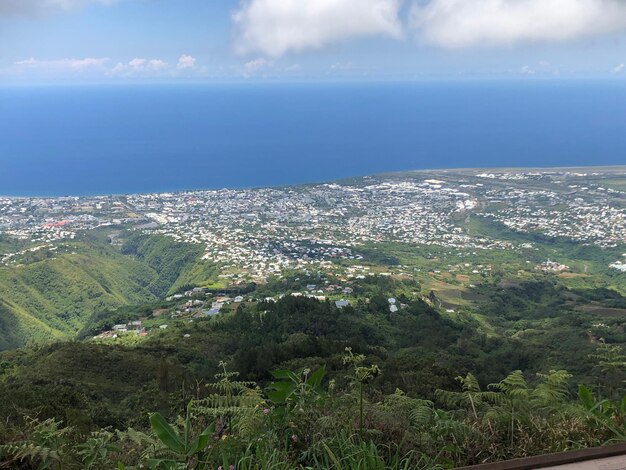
<point>470,171</point>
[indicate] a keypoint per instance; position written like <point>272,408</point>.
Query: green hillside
<point>304,384</point>
<point>176,263</point>
<point>53,298</point>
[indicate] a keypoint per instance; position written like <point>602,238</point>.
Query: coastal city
<point>265,231</point>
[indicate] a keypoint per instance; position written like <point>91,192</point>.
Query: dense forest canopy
<point>415,371</point>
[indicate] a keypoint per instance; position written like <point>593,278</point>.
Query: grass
<point>604,311</point>
<point>617,183</point>
<point>447,293</point>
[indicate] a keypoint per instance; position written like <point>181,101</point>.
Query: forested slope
<point>359,384</point>
<point>54,297</point>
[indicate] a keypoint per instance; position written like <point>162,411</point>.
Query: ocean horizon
<point>57,141</point>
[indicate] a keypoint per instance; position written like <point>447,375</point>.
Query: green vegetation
<point>55,297</point>
<point>287,381</point>
<point>358,387</point>
<point>301,420</point>
<point>175,263</point>
<point>9,244</point>
<point>616,183</point>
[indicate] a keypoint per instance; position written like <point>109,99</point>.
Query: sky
<point>121,41</point>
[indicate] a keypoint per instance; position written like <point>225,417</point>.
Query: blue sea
<point>128,139</point>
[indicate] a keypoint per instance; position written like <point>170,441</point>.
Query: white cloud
<point>139,66</point>
<point>157,64</point>
<point>256,67</point>
<point>619,68</point>
<point>274,27</point>
<point>33,7</point>
<point>186,62</point>
<point>467,23</point>
<point>257,64</point>
<point>343,66</point>
<point>30,62</point>
<point>64,64</point>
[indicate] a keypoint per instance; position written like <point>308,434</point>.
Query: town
<point>263,232</point>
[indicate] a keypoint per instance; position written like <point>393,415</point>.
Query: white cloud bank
<point>77,65</point>
<point>274,27</point>
<point>257,64</point>
<point>472,23</point>
<point>186,62</point>
<point>137,67</point>
<point>33,7</point>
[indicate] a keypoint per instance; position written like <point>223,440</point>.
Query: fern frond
<point>470,383</point>
<point>423,414</point>
<point>514,384</point>
<point>553,388</point>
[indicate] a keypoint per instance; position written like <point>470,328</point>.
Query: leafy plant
<point>292,389</point>
<point>612,362</point>
<point>47,445</point>
<point>359,375</point>
<point>609,414</point>
<point>183,450</point>
<point>95,451</point>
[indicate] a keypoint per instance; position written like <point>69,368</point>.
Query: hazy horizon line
<point>235,81</point>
